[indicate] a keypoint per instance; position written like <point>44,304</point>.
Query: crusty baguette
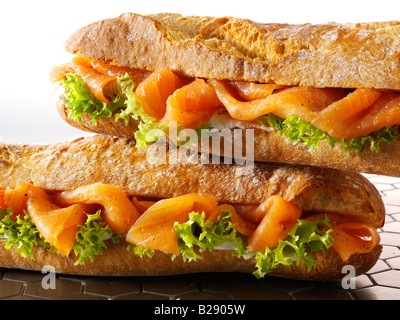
<point>151,173</point>
<point>325,55</point>
<point>117,261</point>
<point>362,55</point>
<point>116,161</point>
<point>270,146</point>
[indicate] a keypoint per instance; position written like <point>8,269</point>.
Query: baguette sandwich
<point>101,206</point>
<point>323,95</point>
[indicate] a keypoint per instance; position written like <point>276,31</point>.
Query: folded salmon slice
<point>352,105</point>
<point>304,102</point>
<point>252,91</point>
<point>57,225</point>
<point>100,78</point>
<point>15,198</point>
<point>385,112</point>
<point>154,91</point>
<point>155,228</point>
<point>119,212</point>
<point>2,203</point>
<point>354,237</point>
<point>96,83</point>
<point>278,217</point>
<point>151,224</point>
<point>191,105</point>
<point>142,205</point>
<point>350,236</point>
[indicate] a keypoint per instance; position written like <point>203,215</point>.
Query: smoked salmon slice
<point>119,212</point>
<point>351,105</point>
<point>385,112</point>
<point>280,216</point>
<point>350,236</point>
<point>100,78</point>
<point>95,83</point>
<point>154,91</point>
<point>16,198</point>
<point>354,237</point>
<point>252,91</point>
<point>304,102</point>
<point>155,228</point>
<point>57,225</point>
<point>192,105</point>
<point>142,205</point>
<point>107,69</point>
<point>2,203</point>
<point>59,71</point>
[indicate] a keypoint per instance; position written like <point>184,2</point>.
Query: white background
<point>32,35</point>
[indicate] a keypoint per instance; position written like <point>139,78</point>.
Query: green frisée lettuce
<point>124,105</point>
<point>133,108</point>
<point>21,234</point>
<point>140,251</point>
<point>150,132</point>
<point>90,238</point>
<point>195,236</point>
<point>207,235</point>
<point>304,237</point>
<point>79,100</point>
<point>303,132</point>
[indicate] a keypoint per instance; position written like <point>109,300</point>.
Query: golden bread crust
<point>325,55</point>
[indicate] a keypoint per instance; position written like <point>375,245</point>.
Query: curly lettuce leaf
<point>133,108</point>
<point>195,235</point>
<point>303,132</point>
<point>304,237</point>
<point>80,100</point>
<point>124,105</point>
<point>140,251</point>
<point>90,238</point>
<point>206,235</point>
<point>150,132</point>
<point>20,233</point>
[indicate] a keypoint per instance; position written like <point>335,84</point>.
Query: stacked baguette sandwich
<point>143,197</point>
